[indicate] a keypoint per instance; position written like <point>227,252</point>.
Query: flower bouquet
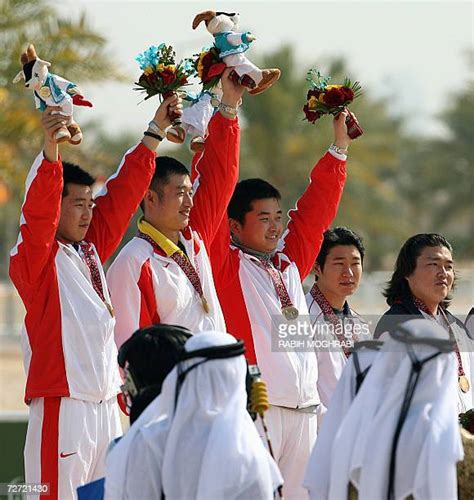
<point>324,99</point>
<point>162,76</point>
<point>209,67</point>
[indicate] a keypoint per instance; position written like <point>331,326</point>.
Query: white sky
<point>415,52</point>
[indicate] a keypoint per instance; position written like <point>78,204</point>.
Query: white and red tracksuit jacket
<point>67,339</point>
<point>146,285</point>
<point>248,298</point>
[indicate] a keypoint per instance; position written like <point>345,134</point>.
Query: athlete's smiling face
<point>262,226</point>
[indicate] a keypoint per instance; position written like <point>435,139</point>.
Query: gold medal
<point>290,312</point>
<point>205,305</point>
<point>110,309</point>
<point>45,92</point>
<point>463,383</point>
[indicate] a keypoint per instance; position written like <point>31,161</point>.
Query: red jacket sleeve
<point>314,213</point>
<point>215,174</point>
<point>38,223</point>
<point>224,263</point>
<point>119,200</point>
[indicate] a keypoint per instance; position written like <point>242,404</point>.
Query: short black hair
<point>245,193</point>
<point>151,353</point>
<point>397,287</point>
<point>74,174</point>
<point>165,167</point>
<point>339,236</point>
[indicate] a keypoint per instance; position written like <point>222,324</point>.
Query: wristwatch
<point>337,149</point>
<point>230,110</point>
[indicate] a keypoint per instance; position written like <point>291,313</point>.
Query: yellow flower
<point>148,70</point>
<point>312,102</point>
<point>321,97</point>
<point>329,87</point>
<point>171,67</point>
<point>200,68</point>
<point>160,67</point>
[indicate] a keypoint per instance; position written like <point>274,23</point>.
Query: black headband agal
<point>209,354</point>
<point>216,352</point>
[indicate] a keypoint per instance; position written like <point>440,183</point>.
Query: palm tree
<point>76,51</point>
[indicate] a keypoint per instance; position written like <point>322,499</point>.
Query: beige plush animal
<point>232,45</point>
<point>52,90</point>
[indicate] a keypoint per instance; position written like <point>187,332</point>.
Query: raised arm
<point>124,190</point>
<point>216,171</point>
<point>40,211</point>
<point>238,38</point>
<point>318,206</point>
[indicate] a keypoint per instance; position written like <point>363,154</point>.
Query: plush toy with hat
<point>52,90</point>
<point>232,46</point>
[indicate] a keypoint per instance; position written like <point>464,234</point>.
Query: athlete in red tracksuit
<point>146,282</point>
<point>69,350</point>
<point>257,284</point>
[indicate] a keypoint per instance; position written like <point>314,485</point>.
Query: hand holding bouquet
<point>162,76</point>
<point>324,99</point>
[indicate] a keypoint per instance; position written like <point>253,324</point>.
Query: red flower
<point>168,76</point>
<point>215,70</point>
<point>313,93</point>
<point>334,97</point>
<point>207,59</point>
<point>348,94</point>
<point>311,116</point>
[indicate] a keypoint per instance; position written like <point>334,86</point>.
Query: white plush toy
<point>196,117</point>
<point>52,90</point>
<point>232,45</point>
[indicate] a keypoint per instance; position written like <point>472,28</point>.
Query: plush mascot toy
<point>52,90</point>
<point>196,116</point>
<point>232,45</point>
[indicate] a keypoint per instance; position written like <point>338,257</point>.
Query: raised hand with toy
<point>52,90</point>
<point>232,45</point>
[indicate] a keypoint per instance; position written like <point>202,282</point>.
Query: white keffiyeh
<point>429,444</point>
<point>208,448</point>
<point>317,478</point>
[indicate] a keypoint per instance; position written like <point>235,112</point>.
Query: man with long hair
<point>420,287</point>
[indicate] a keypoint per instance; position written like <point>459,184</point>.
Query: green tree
<point>441,198</point>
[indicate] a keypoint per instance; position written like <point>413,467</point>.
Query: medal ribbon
<point>277,281</point>
<point>185,265</point>
<point>329,315</point>
<point>89,259</point>
<point>91,263</point>
<point>422,307</point>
